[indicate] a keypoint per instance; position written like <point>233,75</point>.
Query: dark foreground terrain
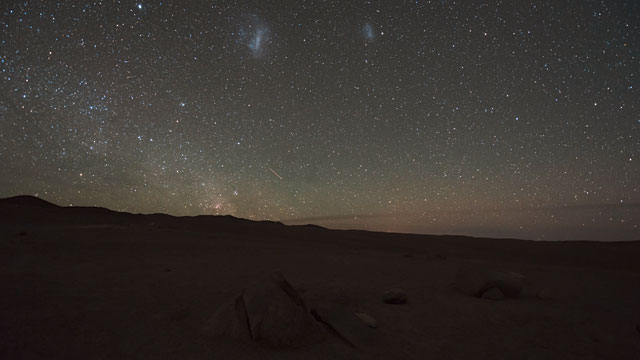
<point>89,283</point>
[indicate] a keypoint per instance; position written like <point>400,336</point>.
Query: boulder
<point>511,284</point>
<point>394,296</point>
<point>269,312</point>
<point>493,294</point>
<point>341,323</point>
<point>230,321</point>
<point>475,282</point>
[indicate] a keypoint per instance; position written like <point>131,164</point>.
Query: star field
<point>510,119</point>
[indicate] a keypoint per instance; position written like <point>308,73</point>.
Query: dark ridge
<point>27,209</point>
<point>27,200</point>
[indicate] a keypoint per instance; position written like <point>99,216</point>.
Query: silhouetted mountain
<point>26,211</point>
<point>30,209</point>
<point>26,200</point>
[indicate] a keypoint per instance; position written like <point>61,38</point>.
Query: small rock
<point>493,294</point>
<point>22,233</point>
<point>407,255</point>
<point>367,319</point>
<point>544,294</point>
<point>441,257</point>
<point>394,296</point>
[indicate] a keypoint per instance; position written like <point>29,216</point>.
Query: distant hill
<point>27,213</point>
<point>26,200</point>
<point>25,209</point>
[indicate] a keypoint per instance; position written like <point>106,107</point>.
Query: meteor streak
<point>275,173</point>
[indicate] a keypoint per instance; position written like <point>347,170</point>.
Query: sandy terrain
<point>89,283</point>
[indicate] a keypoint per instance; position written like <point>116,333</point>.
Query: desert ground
<point>90,283</point>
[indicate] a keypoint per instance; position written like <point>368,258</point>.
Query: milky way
<point>515,119</point>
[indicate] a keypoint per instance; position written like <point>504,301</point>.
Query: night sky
<point>507,119</point>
